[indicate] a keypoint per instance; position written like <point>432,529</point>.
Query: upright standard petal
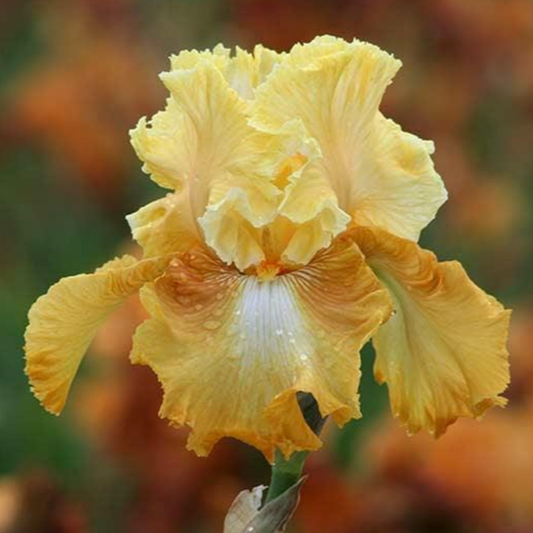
<point>378,173</point>
<point>243,71</point>
<point>165,226</point>
<point>63,322</point>
<point>395,185</point>
<point>202,143</point>
<point>443,354</point>
<point>232,351</point>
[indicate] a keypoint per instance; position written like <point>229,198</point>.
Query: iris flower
<point>287,240</point>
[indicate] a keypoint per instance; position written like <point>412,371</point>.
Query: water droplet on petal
<point>211,324</point>
<point>304,357</point>
<point>219,296</point>
<point>279,332</point>
<point>198,307</point>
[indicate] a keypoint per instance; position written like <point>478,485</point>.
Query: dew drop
<point>218,312</point>
<point>292,341</point>
<point>219,296</point>
<point>304,357</point>
<point>250,529</point>
<point>198,307</point>
<point>242,336</point>
<point>238,312</point>
<point>211,324</point>
<point>279,332</point>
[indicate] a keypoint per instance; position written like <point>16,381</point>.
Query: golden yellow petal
<point>165,226</point>
<point>203,146</point>
<point>443,354</point>
<point>63,322</point>
<point>335,95</point>
<point>232,351</point>
<point>243,71</point>
<point>396,186</point>
<point>202,135</point>
<point>310,202</point>
<point>189,59</point>
<point>227,229</point>
<point>380,175</point>
<point>167,145</point>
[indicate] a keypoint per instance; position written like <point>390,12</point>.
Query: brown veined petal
<point>63,322</point>
<point>232,351</point>
<point>443,354</point>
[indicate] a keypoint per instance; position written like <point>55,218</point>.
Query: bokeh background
<point>75,75</point>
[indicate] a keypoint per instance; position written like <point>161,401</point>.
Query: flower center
<point>268,270</point>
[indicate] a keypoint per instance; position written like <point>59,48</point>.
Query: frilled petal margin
<point>443,354</point>
<point>380,175</point>
<point>63,322</point>
<point>232,351</point>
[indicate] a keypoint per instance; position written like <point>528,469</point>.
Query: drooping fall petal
<point>443,354</point>
<point>232,351</point>
<point>63,322</point>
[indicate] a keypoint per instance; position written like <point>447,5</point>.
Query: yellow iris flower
<point>287,241</point>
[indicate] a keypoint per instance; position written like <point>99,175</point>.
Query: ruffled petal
<point>443,354</point>
<point>165,226</point>
<point>243,71</point>
<point>397,188</point>
<point>63,322</point>
<point>311,204</point>
<point>202,144</point>
<point>232,351</point>
<point>379,174</point>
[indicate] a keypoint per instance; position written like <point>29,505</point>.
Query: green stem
<point>286,472</point>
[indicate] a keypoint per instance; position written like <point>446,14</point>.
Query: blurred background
<point>75,75</point>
